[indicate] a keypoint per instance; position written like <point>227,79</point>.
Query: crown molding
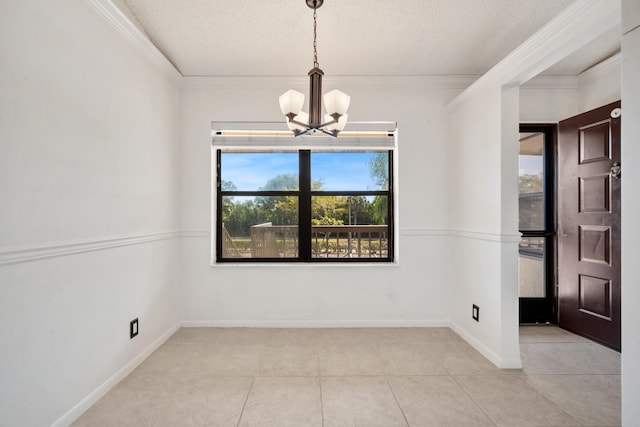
<point>460,82</point>
<point>562,35</point>
<point>122,23</point>
<point>576,26</point>
<point>601,70</point>
<point>551,82</point>
<point>126,26</point>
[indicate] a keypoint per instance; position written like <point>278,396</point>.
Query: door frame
<point>545,310</point>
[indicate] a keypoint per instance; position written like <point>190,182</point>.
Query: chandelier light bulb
<point>291,102</point>
<point>336,102</point>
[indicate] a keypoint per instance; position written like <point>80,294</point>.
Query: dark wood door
<point>589,224</point>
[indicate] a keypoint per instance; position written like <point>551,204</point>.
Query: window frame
<point>305,195</point>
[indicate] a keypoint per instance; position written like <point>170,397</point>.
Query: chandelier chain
<point>315,34</point>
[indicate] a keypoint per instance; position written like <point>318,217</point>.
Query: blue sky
<point>530,164</point>
<point>339,171</point>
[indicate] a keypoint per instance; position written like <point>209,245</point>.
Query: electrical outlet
<point>133,328</point>
<point>475,313</point>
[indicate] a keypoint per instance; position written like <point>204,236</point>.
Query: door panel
<point>589,225</point>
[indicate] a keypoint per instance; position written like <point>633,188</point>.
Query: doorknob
<point>616,170</point>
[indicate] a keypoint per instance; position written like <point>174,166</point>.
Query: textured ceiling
<point>355,37</point>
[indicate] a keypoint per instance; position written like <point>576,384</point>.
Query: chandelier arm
<point>333,133</point>
<point>327,123</point>
<point>297,132</point>
<point>305,125</point>
<point>309,130</point>
<point>335,118</point>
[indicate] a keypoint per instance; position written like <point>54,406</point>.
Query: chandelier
<point>335,101</point>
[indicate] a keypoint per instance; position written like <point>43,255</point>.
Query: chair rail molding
<point>39,251</point>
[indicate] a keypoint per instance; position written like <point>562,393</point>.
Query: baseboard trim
<point>80,408</point>
<point>486,351</point>
<point>438,323</point>
<point>511,364</point>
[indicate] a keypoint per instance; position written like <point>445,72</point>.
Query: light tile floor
<point>363,377</point>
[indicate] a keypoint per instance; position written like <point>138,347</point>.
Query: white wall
<point>544,100</point>
<point>415,292</point>
<point>549,99</point>
<point>630,212</point>
<point>88,180</point>
<point>483,207</point>
<point>600,85</point>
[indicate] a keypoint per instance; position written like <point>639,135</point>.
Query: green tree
<point>358,207</point>
<point>326,220</point>
<point>328,210</point>
<point>285,181</point>
<point>530,183</point>
<point>228,186</point>
<point>241,216</point>
<point>379,171</point>
<point>282,210</point>
<point>227,202</point>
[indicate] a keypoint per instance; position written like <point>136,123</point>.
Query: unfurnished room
<point>319,213</point>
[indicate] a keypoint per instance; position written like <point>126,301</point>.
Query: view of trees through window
<point>531,215</point>
<point>531,187</point>
<point>263,196</point>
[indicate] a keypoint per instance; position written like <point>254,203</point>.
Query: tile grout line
<point>549,399</point>
<point>455,380</point>
<point>246,399</point>
<point>406,420</point>
<point>320,384</point>
<point>321,400</point>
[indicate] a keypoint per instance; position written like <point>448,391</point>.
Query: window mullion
<point>218,205</point>
<point>304,208</point>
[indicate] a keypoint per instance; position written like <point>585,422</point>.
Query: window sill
<point>362,264</point>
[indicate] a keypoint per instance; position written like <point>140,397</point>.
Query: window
<point>536,183</point>
<point>304,205</point>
